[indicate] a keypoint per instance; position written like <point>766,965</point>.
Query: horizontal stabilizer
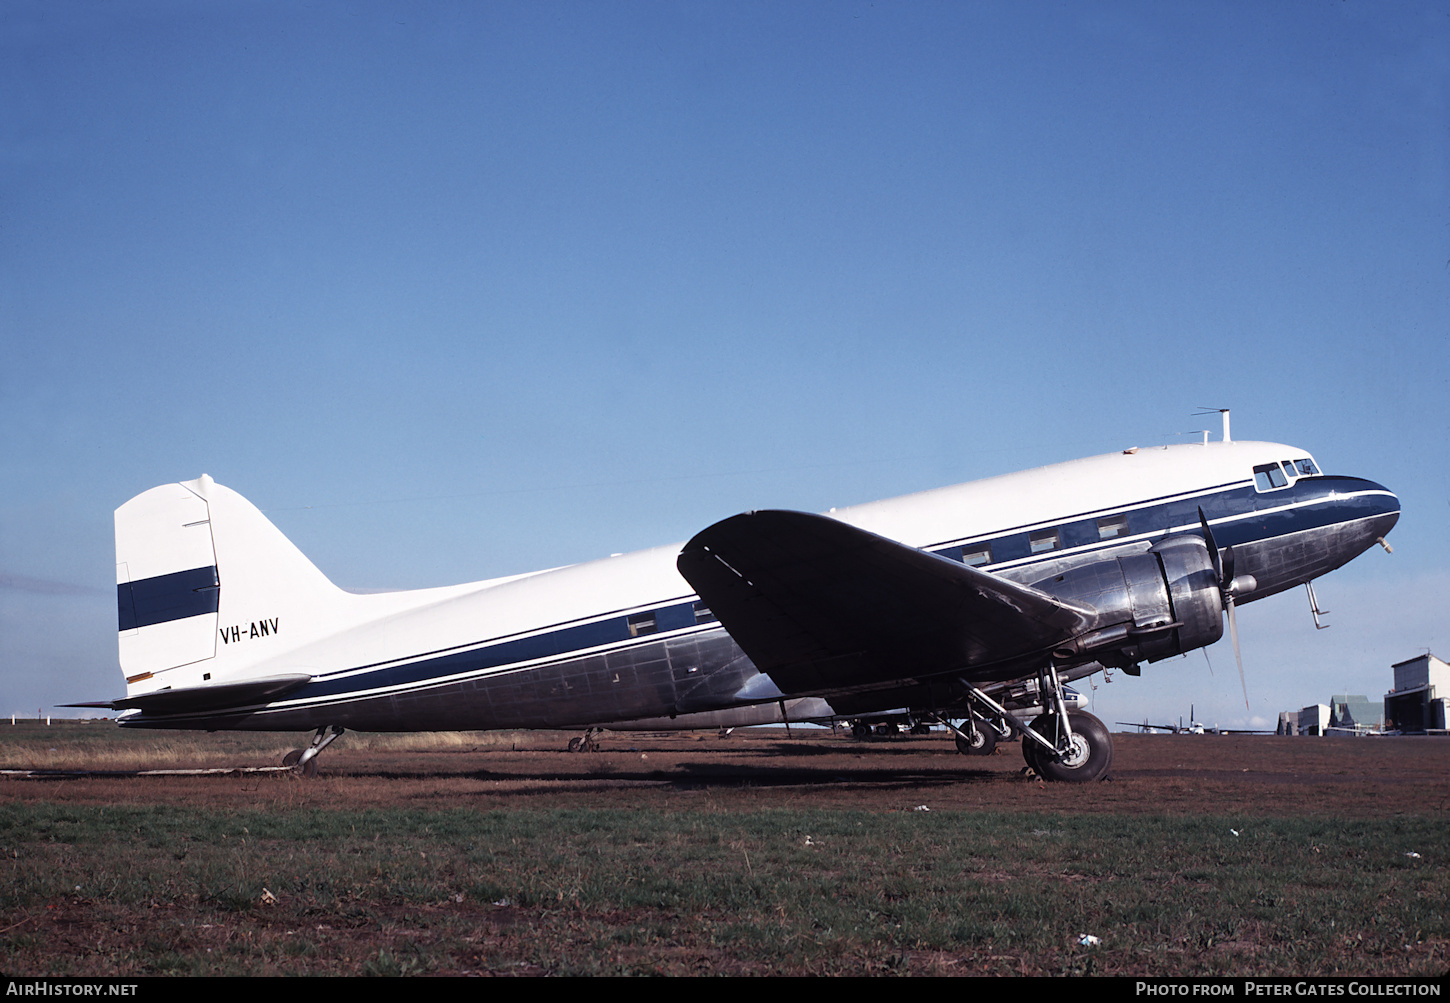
<point>221,696</point>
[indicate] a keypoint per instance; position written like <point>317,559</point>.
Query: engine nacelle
<point>1150,606</point>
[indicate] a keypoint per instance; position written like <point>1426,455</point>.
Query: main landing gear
<point>979,742</point>
<point>1059,745</point>
<point>587,742</point>
<point>304,761</point>
<point>1083,749</point>
<point>976,737</point>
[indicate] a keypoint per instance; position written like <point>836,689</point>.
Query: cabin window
<point>703,614</point>
<point>1111,527</point>
<point>1268,476</point>
<point>977,554</point>
<point>1044,540</point>
<point>642,623</point>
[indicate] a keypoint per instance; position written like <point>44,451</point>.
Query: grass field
<point>282,888</point>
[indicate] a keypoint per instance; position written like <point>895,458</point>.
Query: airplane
<point>961,604</point>
<point>1172,729</point>
<point>1193,727</point>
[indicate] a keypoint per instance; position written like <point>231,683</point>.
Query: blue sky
<point>456,290</point>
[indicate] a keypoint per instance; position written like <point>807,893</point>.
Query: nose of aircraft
<point>1376,503</point>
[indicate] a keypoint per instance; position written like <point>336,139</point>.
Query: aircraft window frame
<point>1044,541</point>
<point>1113,527</point>
<point>641,624</point>
<point>976,555</point>
<point>1264,477</point>
<point>1306,467</point>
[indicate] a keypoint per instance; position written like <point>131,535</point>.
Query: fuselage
<point>626,638</point>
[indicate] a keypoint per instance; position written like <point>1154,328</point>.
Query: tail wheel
<point>1089,757</point>
<point>309,768</point>
<point>980,743</point>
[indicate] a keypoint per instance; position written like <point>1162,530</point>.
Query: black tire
<point>983,743</point>
<point>576,744</point>
<point>292,757</point>
<point>1092,753</point>
<point>860,731</point>
<point>1030,749</point>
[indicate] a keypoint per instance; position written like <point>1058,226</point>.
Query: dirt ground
<point>760,768</point>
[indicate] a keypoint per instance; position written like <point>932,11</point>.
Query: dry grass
<point>102,746</point>
<point>446,741</point>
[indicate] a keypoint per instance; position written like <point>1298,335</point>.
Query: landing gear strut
<point>1059,745</point>
<point>304,761</point>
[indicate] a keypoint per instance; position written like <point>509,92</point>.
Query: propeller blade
<point>1223,567</point>
<point>1212,549</point>
<point>1233,633</point>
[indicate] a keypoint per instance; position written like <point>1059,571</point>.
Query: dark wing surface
<point>824,607</point>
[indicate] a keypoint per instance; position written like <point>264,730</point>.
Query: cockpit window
<point>1306,468</point>
<point>1268,476</point>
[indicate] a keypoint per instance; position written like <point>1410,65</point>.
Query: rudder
<point>207,588</point>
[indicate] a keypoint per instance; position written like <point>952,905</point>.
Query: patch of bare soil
<point>760,768</point>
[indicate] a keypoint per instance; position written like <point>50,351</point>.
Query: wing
<point>824,607</point>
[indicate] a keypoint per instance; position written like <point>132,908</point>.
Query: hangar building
<point>1417,703</point>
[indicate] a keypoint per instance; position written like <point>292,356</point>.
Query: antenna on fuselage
<point>1215,410</point>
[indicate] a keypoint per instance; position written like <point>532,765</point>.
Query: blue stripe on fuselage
<point>1238,514</point>
<point>565,641</point>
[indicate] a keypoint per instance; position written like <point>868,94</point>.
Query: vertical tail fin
<point>208,588</point>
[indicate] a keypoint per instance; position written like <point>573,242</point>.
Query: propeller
<point>1223,568</point>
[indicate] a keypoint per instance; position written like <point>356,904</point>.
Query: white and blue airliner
<point>961,605</point>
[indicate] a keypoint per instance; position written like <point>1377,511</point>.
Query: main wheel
<point>1089,758</point>
<point>860,731</point>
<point>980,744</point>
